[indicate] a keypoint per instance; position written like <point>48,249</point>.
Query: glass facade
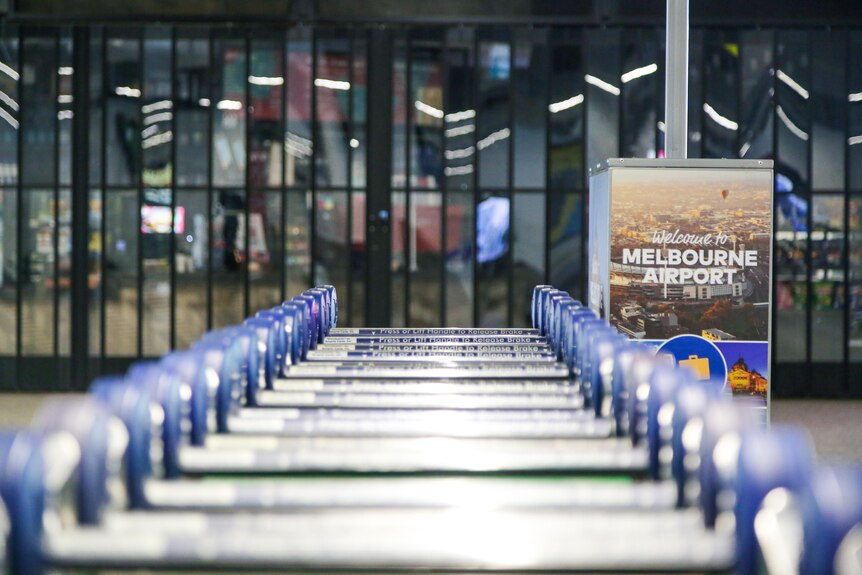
<point>227,169</point>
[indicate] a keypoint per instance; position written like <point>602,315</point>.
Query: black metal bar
<point>773,344</point>
<point>282,130</point>
<point>510,182</point>
<point>809,316</point>
<point>548,191</point>
<point>142,77</point>
<point>378,160</point>
<point>55,241</point>
<point>845,257</point>
<point>210,190</point>
<point>246,279</point>
<point>477,72</point>
<point>316,148</point>
<point>19,209</point>
<point>349,242</point>
<point>444,187</point>
<point>172,237</point>
<point>408,173</point>
<point>80,204</point>
<point>103,168</point>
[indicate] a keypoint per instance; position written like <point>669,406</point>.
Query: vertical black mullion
<point>773,345</point>
<point>510,177</point>
<point>19,209</point>
<point>809,300</point>
<point>444,192</point>
<point>315,149</point>
<point>80,346</point>
<point>246,282</point>
<point>103,228</point>
<point>549,66</point>
<point>282,130</point>
<point>739,94</point>
<point>351,81</point>
<point>210,191</point>
<point>585,185</point>
<point>140,158</point>
<point>845,259</point>
<point>55,296</point>
<point>408,172</point>
<point>172,238</point>
<point>477,72</point>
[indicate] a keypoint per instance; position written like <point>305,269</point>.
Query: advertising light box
<point>680,257</point>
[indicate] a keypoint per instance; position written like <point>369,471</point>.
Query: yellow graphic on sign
<point>699,366</point>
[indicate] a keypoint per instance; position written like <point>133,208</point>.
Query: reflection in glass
<point>157,111</point>
<point>459,259</point>
<point>265,241</point>
<point>791,242</point>
<point>229,77</point>
<point>425,110</point>
<point>757,76</point>
<point>827,279</point>
<point>38,118</point>
<point>192,105</point>
<point>358,257</point>
<point>602,72</point>
<point>854,114</point>
<point>493,117</point>
<point>9,108</point>
<point>96,110</point>
<point>492,259</point>
<point>529,90</point>
<point>792,107</point>
<point>459,148</point>
<point>331,244</point>
<point>565,237</point>
<point>423,258</point>
<point>359,89</point>
<point>399,110</point>
<point>640,95</point>
<point>63,278</point>
<point>94,272</point>
<point>720,98</point>
<point>64,110</point>
<point>298,146</point>
<point>828,112</point>
<point>854,281</point>
<point>265,132</point>
<point>38,281</point>
<point>695,93</point>
<point>528,246</point>
<point>297,252</point>
<point>122,97</point>
<point>565,115</point>
<point>333,91</point>
<point>190,261</point>
<point>120,274</point>
<point>8,269</point>
<point>228,258</point>
<point>399,261</point>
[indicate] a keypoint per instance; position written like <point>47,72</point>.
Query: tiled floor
<point>836,426</point>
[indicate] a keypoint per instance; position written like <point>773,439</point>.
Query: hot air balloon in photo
<point>724,194</point>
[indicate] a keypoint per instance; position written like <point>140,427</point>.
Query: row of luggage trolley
<point>289,444</point>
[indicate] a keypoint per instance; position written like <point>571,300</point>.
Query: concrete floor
<point>835,425</point>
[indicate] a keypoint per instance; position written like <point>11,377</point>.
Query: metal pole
<point>676,80</point>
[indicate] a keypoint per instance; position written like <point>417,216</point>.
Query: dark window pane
<point>492,259</point>
<point>265,242</point>
<point>602,67</point>
<point>459,149</point>
<point>695,94</point>
<point>721,95</point>
<point>793,77</point>
<point>359,91</point>
<point>297,140</point>
<point>828,109</point>
<point>827,275</point>
<point>566,113</point>
<point>358,257</point>
<point>94,273</point>
<point>39,280</point>
<point>494,112</point>
<point>333,91</point>
<point>425,240</point>
<point>528,245</point>
<point>854,128</point>
<point>297,238</point>
<point>399,259</point>
<point>8,269</point>
<point>229,77</point>
<point>10,106</point>
<point>425,110</point>
<point>122,97</point>
<point>854,285</point>
<point>192,106</point>
<point>120,275</point>
<point>38,112</point>
<point>228,258</point>
<point>459,259</point>
<point>65,75</point>
<point>331,245</point>
<point>190,260</point>
<point>791,292</point>
<point>640,94</point>
<point>266,85</point>
<point>565,237</point>
<point>757,121</point>
<point>157,225</point>
<point>529,90</point>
